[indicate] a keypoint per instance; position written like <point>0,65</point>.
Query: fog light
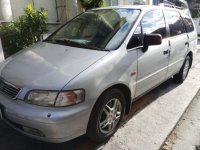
<point>33,131</point>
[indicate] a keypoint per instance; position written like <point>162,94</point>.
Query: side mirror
<point>152,39</point>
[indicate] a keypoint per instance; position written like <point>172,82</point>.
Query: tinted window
<point>188,23</point>
<point>153,23</point>
<point>138,35</point>
<point>136,39</point>
<point>97,29</point>
<point>176,26</point>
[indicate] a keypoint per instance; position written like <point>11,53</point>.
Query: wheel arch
<point>126,92</point>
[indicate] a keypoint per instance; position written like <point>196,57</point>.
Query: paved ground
<point>12,140</point>
<point>149,128</point>
<point>186,135</point>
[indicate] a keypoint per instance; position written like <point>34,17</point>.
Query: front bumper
<point>43,123</point>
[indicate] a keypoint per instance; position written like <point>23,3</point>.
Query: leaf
<point>25,31</point>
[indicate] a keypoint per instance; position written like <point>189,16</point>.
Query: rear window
<point>188,24</point>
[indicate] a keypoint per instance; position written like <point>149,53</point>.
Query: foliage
<point>195,13</point>
<point>194,6</point>
<point>88,4</point>
<point>25,31</point>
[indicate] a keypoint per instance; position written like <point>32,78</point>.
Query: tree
<point>194,6</point>
<point>88,4</point>
<point>189,1</point>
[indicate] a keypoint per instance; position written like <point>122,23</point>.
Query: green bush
<point>195,13</point>
<point>25,31</point>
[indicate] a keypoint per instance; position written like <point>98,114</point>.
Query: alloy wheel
<point>110,116</point>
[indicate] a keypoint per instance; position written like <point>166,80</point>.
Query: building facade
<point>58,10</point>
<point>63,10</point>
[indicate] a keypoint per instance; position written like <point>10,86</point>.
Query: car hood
<point>47,66</point>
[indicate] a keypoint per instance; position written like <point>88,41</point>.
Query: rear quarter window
<point>188,24</point>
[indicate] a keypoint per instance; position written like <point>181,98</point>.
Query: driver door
<point>152,61</point>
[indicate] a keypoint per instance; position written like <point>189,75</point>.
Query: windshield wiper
<point>92,47</point>
<point>47,40</point>
<point>77,44</point>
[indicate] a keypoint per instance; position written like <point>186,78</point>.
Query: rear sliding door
<point>178,41</point>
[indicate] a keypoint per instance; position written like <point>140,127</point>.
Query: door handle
<point>166,52</point>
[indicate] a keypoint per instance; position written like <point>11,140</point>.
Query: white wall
<point>5,10</point>
<point>19,5</point>
<point>67,9</point>
<point>73,8</point>
<point>121,2</point>
<point>50,6</point>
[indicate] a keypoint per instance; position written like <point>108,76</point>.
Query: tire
<point>181,76</point>
<point>106,116</point>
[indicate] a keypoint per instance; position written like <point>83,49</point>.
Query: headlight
<point>42,98</point>
<point>51,98</point>
<point>70,98</point>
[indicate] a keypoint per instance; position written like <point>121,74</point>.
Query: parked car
<point>84,77</point>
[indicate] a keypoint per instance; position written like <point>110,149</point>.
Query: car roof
<point>124,6</point>
<point>142,7</point>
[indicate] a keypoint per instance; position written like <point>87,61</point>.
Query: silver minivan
<point>84,77</point>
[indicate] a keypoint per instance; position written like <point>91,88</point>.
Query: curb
<point>198,92</point>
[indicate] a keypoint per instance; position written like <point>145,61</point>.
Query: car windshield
<point>102,29</point>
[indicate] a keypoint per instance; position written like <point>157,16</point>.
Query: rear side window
<point>188,24</point>
<point>153,23</point>
<point>175,22</point>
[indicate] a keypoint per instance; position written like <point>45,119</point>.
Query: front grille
<point>8,89</point>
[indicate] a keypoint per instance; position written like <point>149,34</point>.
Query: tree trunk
<point>73,8</point>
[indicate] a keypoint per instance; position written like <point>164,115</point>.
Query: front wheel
<point>181,76</point>
<point>106,115</point>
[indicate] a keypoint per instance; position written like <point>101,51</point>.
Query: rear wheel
<point>106,115</point>
<point>181,76</point>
